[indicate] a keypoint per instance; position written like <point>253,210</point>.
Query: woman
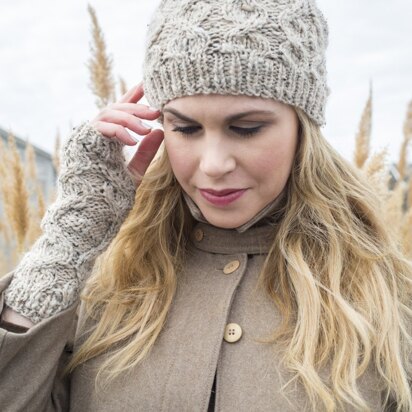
<point>254,262</point>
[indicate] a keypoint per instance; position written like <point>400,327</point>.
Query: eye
<point>246,131</point>
<point>185,130</point>
<point>243,131</point>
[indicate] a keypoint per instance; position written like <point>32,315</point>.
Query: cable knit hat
<point>265,48</point>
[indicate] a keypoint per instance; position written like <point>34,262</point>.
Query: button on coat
<point>233,332</point>
<point>198,234</point>
<point>231,267</point>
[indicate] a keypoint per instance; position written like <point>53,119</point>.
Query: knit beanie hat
<point>265,48</point>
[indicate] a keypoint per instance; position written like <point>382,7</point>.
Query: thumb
<point>145,153</point>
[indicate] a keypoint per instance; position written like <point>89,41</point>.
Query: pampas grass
<point>407,138</point>
<point>376,170</point>
<point>123,86</point>
<point>22,201</point>
<point>56,153</point>
<point>362,140</point>
<point>376,163</point>
<point>394,212</point>
<point>15,195</point>
<point>100,66</point>
<point>407,233</point>
<point>37,206</point>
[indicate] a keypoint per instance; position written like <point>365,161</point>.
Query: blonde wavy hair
<point>335,273</point>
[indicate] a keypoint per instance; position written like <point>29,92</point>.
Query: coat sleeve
<point>31,362</point>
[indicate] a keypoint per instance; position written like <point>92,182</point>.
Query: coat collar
<point>253,237</point>
<point>256,240</point>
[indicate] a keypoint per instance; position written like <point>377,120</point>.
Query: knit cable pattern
<point>265,48</point>
<point>95,192</point>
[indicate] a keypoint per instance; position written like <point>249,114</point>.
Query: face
<point>217,142</point>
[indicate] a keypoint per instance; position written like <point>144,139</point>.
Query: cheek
<point>277,161</point>
<point>180,157</point>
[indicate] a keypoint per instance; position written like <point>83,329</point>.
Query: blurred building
<point>46,178</point>
<point>46,173</point>
<point>394,174</point>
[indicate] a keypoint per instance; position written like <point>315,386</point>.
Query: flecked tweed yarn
<point>95,192</point>
<point>265,48</point>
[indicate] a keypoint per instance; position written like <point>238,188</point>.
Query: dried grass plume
<point>16,196</point>
<point>407,137</point>
<point>100,65</point>
<point>362,141</point>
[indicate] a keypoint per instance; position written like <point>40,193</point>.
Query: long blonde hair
<point>335,273</point>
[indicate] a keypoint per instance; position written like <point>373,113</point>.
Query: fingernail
<point>153,109</point>
<point>146,125</point>
<point>134,138</point>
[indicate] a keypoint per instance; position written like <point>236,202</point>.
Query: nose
<point>216,159</point>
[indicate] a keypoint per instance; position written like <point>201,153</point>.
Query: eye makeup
<point>242,131</point>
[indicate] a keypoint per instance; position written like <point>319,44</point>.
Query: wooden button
<point>198,234</point>
<point>233,332</point>
<point>231,267</point>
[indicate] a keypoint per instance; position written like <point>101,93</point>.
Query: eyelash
<point>245,132</point>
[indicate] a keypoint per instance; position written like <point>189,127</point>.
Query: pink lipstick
<point>222,197</point>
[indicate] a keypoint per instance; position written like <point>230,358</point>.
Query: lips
<point>224,197</point>
<point>220,192</point>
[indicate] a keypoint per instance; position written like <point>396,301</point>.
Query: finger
<point>136,109</point>
<point>145,153</point>
<point>125,120</point>
<point>133,95</point>
<point>115,131</point>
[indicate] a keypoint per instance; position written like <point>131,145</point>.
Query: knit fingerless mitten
<point>95,192</point>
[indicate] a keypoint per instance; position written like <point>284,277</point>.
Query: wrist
<point>9,316</point>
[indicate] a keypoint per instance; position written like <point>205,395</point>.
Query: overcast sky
<point>44,49</point>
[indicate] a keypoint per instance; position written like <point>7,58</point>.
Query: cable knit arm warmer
<point>95,192</point>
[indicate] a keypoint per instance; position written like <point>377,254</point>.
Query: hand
<point>113,120</point>
<point>95,193</point>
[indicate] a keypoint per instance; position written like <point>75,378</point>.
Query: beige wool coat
<point>214,320</point>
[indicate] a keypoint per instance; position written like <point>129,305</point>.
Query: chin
<point>225,223</point>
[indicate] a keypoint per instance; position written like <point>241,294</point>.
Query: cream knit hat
<point>266,48</point>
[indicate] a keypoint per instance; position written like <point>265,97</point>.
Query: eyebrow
<point>228,118</point>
